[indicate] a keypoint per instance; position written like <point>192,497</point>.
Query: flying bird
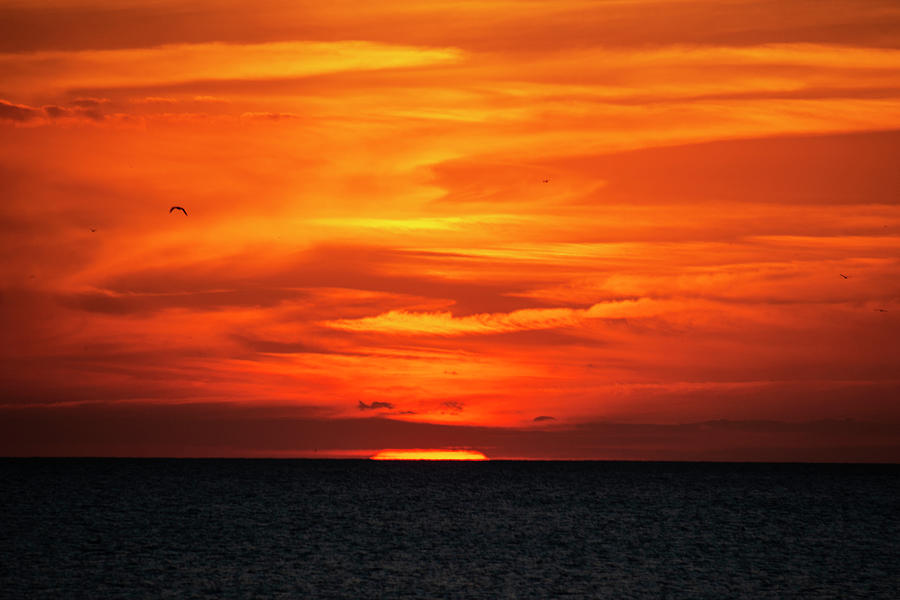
<point>880,310</point>
<point>178,208</point>
<point>844,276</point>
<point>545,180</point>
<point>93,230</point>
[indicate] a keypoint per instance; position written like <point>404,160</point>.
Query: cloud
<point>84,108</point>
<point>269,116</point>
<point>453,406</point>
<point>374,405</point>
<point>58,70</point>
<point>157,100</point>
<point>383,278</point>
<point>291,347</point>
<point>211,99</point>
<point>89,102</point>
<point>17,112</point>
<point>220,429</point>
<point>86,112</point>
<point>444,323</point>
<point>113,303</point>
<point>480,26</point>
<point>789,170</point>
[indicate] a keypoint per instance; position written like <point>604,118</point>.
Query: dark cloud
<point>141,429</point>
<point>22,113</point>
<point>352,266</point>
<point>297,347</point>
<point>374,405</point>
<point>97,371</point>
<point>34,26</point>
<point>105,302</point>
<point>78,112</point>
<point>543,418</point>
<point>82,108</point>
<point>855,168</point>
<point>269,116</point>
<point>19,113</point>
<point>56,112</point>
<point>806,93</point>
<point>799,170</point>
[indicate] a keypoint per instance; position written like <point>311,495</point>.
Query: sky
<point>624,229</point>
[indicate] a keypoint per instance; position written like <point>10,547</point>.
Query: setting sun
<point>429,455</point>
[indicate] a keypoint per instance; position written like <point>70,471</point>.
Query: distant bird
<point>880,310</point>
<point>844,276</point>
<point>178,208</point>
<point>93,230</point>
<point>545,180</point>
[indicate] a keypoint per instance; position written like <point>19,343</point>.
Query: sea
<point>357,529</point>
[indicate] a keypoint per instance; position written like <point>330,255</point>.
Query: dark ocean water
<point>132,528</point>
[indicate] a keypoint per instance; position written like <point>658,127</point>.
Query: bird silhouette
<point>880,310</point>
<point>178,208</point>
<point>93,230</point>
<point>545,180</point>
<point>844,276</point>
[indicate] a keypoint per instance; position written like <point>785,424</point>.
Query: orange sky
<point>558,229</point>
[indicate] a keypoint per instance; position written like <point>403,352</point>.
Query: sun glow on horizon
<point>429,455</point>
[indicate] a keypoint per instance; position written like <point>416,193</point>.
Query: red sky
<point>533,229</point>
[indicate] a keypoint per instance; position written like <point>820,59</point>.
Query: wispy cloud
<point>444,323</point>
<point>59,70</point>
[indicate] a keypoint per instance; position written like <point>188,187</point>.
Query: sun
<point>418,454</point>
